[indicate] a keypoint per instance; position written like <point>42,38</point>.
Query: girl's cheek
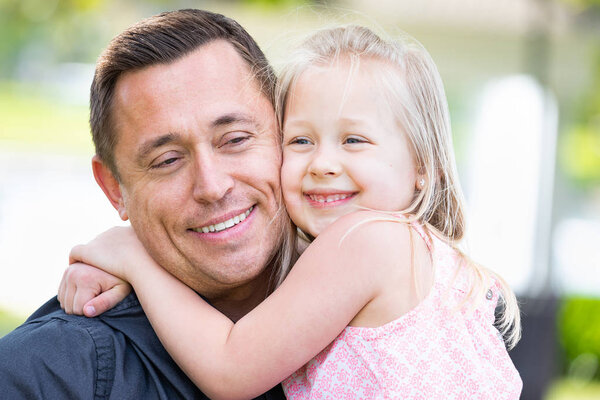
<point>290,172</point>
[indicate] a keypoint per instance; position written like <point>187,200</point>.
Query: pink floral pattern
<point>435,351</point>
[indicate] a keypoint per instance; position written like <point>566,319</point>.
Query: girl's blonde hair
<point>415,91</point>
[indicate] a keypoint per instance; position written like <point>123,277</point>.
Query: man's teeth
<point>327,199</point>
<point>225,224</point>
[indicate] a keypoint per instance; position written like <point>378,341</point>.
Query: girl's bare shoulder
<point>371,234</point>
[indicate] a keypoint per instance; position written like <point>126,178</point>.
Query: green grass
<point>31,116</point>
<point>573,389</point>
<point>8,322</point>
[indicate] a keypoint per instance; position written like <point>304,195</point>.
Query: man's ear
<point>109,185</point>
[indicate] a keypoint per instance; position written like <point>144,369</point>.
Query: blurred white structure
<point>509,180</point>
<point>576,248</point>
<point>48,203</point>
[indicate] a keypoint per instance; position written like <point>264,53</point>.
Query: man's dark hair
<point>163,39</point>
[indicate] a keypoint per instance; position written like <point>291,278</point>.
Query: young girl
<point>381,304</point>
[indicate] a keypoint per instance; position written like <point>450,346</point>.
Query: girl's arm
<point>331,282</point>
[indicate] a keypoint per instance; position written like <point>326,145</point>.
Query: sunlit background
<point>523,85</point>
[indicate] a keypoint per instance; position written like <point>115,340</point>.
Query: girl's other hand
<point>89,291</point>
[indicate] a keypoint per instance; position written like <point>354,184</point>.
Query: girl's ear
<point>110,186</point>
<point>421,175</point>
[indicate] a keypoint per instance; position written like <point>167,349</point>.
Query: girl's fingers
<point>106,300</point>
<point>77,287</point>
<point>81,297</point>
<point>61,291</point>
<point>67,303</point>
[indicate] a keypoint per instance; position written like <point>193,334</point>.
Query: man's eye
<point>169,161</point>
<point>238,139</point>
<point>234,140</point>
<point>165,163</point>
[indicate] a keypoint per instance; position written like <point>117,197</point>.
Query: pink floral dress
<point>435,351</point>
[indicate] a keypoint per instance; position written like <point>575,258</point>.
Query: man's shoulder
<point>55,354</point>
<point>50,324</point>
<point>115,355</point>
<point>50,332</point>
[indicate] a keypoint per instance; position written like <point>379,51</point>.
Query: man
<point>186,139</point>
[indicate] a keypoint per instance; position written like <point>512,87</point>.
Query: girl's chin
<point>315,227</point>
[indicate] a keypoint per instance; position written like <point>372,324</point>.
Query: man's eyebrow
<point>230,119</point>
<point>154,143</point>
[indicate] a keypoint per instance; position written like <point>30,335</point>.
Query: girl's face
<point>342,147</point>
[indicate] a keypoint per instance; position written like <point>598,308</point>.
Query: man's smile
<point>224,224</point>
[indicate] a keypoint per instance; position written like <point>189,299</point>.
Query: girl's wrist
<point>132,273</point>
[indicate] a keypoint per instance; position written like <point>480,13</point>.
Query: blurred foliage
<point>54,31</point>
<point>581,153</point>
<point>278,3</point>
<point>61,125</point>
<point>583,3</point>
<point>45,29</point>
<point>580,148</point>
<point>573,389</point>
<point>8,322</point>
<point>579,330</point>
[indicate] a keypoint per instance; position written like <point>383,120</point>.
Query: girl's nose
<point>325,165</point>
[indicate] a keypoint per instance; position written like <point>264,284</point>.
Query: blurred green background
<point>47,53</point>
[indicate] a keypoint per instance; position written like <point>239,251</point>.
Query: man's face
<point>199,161</point>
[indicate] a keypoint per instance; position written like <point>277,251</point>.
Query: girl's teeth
<point>327,199</point>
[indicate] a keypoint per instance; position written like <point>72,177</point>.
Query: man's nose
<point>212,179</point>
<point>325,164</point>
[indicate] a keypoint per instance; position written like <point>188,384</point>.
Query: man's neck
<point>238,302</point>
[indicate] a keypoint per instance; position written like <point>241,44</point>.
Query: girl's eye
<point>300,140</point>
<point>355,139</point>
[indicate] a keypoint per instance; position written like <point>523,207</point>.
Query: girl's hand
<point>99,280</point>
<point>117,251</point>
<point>89,291</point>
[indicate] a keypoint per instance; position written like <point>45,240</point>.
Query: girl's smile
<point>343,148</point>
<point>328,197</point>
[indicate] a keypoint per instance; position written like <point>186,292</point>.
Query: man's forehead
<point>211,76</point>
<point>209,91</point>
<point>213,64</point>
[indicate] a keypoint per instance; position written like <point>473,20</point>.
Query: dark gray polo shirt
<point>114,356</point>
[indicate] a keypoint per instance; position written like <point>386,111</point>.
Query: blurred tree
<point>583,3</point>
<point>44,32</point>
<point>580,147</point>
<point>279,3</point>
<point>579,325</point>
<point>46,29</point>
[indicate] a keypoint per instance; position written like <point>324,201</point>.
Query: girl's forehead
<point>345,76</point>
<point>373,77</point>
<point>344,96</point>
<point>354,63</point>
